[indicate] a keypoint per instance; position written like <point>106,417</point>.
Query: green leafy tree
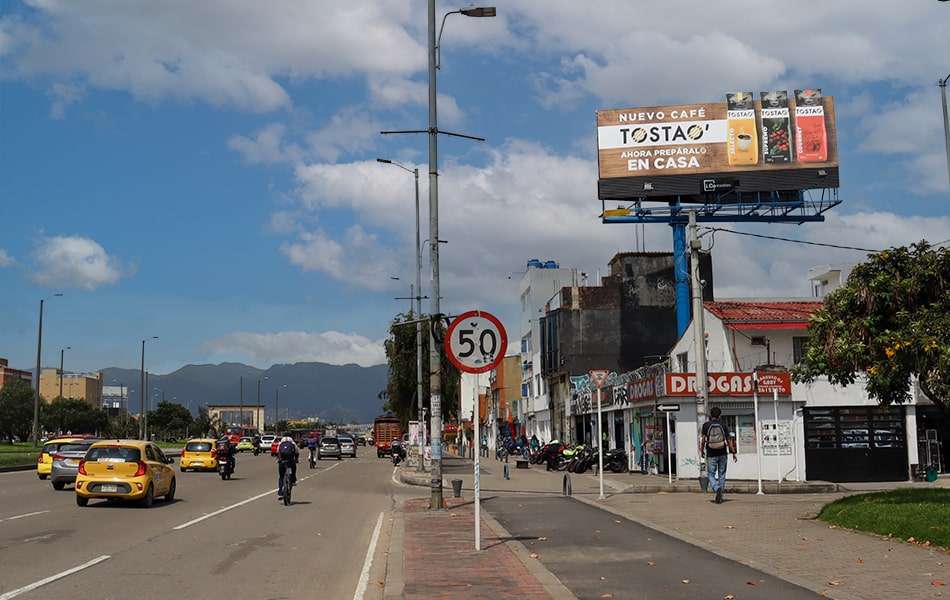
<point>73,415</point>
<point>16,410</point>
<point>170,420</point>
<point>122,427</point>
<point>889,323</point>
<point>203,422</point>
<point>400,393</point>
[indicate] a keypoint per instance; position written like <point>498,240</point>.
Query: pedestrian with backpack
<point>716,445</point>
<point>287,457</point>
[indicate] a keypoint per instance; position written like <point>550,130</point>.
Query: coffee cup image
<point>743,141</point>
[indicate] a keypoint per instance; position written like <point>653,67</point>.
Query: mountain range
<point>334,393</point>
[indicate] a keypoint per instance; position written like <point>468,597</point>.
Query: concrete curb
<point>395,584</point>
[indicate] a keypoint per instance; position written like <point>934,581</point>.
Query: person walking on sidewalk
<point>716,445</point>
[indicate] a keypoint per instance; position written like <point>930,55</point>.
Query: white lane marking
<point>32,514</point>
<point>368,561</point>
<point>241,503</point>
<point>52,578</point>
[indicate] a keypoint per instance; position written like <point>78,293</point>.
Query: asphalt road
<point>596,554</point>
<point>229,538</point>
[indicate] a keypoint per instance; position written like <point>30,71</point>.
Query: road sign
<point>476,341</point>
<point>667,407</point>
<point>599,377</point>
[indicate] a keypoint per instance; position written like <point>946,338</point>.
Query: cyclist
<point>287,457</point>
<point>312,442</point>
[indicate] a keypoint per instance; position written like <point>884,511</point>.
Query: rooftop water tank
<point>550,264</point>
<point>535,263</point>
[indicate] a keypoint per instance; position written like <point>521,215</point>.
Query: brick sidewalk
<point>446,566</point>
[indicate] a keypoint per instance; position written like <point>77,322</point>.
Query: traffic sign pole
<point>476,342</point>
<point>599,377</point>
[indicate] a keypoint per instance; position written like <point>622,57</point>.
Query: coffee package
<point>776,128</point>
<point>811,135</point>
<point>742,144</point>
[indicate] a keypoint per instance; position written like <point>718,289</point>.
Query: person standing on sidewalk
<point>715,447</point>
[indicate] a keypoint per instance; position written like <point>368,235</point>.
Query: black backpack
<point>286,450</point>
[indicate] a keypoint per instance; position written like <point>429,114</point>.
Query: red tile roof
<point>764,314</point>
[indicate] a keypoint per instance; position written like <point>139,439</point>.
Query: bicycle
<point>313,461</point>
<point>288,485</point>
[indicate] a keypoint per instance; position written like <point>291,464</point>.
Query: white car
<point>266,441</point>
<point>347,446</point>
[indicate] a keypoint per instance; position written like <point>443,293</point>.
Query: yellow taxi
<point>44,463</point>
<point>125,470</point>
<point>198,454</point>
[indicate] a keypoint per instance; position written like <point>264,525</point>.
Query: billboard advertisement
<point>772,142</point>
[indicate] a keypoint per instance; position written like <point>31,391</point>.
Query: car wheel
<point>81,500</point>
<point>58,485</point>
<point>170,496</point>
<point>41,476</point>
<point>339,457</point>
<point>183,469</point>
<point>319,457</point>
<point>148,498</point>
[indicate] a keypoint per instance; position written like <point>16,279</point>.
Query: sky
<point>205,172</point>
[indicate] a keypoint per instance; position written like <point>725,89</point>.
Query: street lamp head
<point>489,11</point>
<point>384,160</point>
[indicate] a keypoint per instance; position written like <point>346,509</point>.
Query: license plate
<point>110,489</point>
<point>197,463</point>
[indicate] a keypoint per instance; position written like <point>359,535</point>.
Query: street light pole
<point>946,122</point>
<point>418,298</point>
<point>36,395</point>
<point>435,375</point>
<point>62,354</point>
<point>142,391</point>
<point>257,418</point>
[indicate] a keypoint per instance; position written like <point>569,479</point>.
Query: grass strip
<point>916,515</point>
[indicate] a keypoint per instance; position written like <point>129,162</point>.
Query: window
<point>798,348</point>
<point>682,363</point>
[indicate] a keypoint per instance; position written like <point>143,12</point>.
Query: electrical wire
<point>781,239</point>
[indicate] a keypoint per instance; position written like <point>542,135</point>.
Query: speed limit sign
<point>476,341</point>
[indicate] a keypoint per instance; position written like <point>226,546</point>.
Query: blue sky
<point>206,171</point>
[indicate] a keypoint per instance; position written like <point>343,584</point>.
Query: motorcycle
<point>616,461</point>
<point>257,447</point>
<point>225,467</point>
<point>399,453</point>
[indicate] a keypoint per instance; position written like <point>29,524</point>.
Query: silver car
<point>347,446</point>
<point>329,448</point>
<point>66,462</point>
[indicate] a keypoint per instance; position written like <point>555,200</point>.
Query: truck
<point>386,429</point>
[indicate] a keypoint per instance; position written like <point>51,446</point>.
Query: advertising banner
<point>775,142</point>
<point>729,384</point>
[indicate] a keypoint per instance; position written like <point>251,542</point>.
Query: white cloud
<point>297,346</point>
<point>74,262</point>
<point>5,259</point>
<point>219,51</point>
<point>357,259</point>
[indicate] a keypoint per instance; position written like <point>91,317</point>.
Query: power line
<point>781,239</point>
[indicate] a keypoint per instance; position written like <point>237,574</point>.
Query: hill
<point>338,393</point>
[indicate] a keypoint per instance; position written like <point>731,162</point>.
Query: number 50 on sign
<point>476,342</point>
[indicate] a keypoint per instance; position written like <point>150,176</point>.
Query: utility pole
<point>699,329</point>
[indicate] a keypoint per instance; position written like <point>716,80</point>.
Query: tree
<point>400,392</point>
<point>889,323</point>
<point>170,420</point>
<point>16,410</point>
<point>73,415</point>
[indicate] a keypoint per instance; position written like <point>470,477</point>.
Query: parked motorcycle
<point>616,460</point>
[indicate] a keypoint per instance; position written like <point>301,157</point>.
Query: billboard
<point>775,142</point>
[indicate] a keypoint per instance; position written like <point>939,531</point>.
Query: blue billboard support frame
<point>780,206</point>
<point>682,274</point>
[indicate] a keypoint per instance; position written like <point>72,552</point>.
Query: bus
<point>236,432</point>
